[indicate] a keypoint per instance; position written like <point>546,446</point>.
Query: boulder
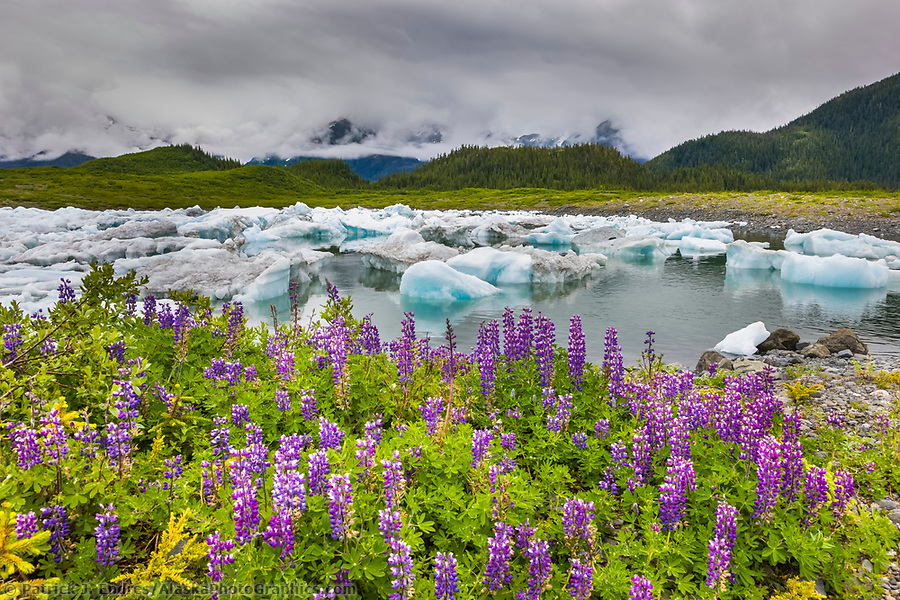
<point>844,339</point>
<point>816,350</point>
<point>780,339</point>
<point>747,365</point>
<point>711,357</point>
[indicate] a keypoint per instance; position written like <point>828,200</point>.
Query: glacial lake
<point>690,304</point>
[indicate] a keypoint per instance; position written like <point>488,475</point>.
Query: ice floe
<point>744,341</point>
<point>402,249</point>
<point>438,282</point>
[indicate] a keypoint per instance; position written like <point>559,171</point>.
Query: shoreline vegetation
<point>158,446</point>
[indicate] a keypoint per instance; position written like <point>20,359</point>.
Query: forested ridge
<point>853,137</point>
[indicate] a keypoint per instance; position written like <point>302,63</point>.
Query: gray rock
<point>820,586</point>
<point>780,339</point>
<point>894,515</point>
<point>867,565</point>
<point>844,339</point>
<point>845,353</point>
<point>746,365</point>
<point>711,357</point>
<point>888,504</point>
<point>816,350</point>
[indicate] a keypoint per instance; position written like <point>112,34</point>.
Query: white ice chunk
<point>271,283</point>
<point>827,242</point>
<point>745,255</point>
<point>743,341</point>
<point>584,241</point>
<point>835,271</point>
<point>403,248</point>
<point>436,281</point>
<point>553,267</point>
<point>635,247</point>
<point>691,246</point>
<point>494,266</point>
<point>496,229</point>
<point>557,233</point>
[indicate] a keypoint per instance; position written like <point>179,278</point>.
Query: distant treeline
<point>588,166</point>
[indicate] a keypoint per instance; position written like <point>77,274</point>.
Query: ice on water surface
<point>436,281</point>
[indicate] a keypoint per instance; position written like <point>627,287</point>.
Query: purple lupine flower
<point>581,579</point>
<point>235,312</point>
<point>66,293</point>
<point>579,440</point>
<point>495,485</point>
<point>641,588</point>
<point>446,581</point>
<point>402,573</point>
<point>721,545</point>
<point>246,503</point>
<point>524,532</point>
<point>166,318</point>
<point>219,553</point>
<point>365,455</point>
<point>406,345</point>
<point>432,411</point>
<point>577,351</point>
<point>496,573</point>
<point>12,340</point>
<point>613,364</point>
<point>55,438</point>
<point>578,521</point>
<point>220,438</point>
<point>394,483</point>
<point>288,484</point>
<point>843,491</point>
<point>173,471</point>
<point>481,443</point>
<point>107,535</point>
<point>559,420</point>
<point>509,333</point>
<point>282,399</point>
<point>538,554</point>
<point>640,458</point>
<point>524,335</point>
<point>149,309</point>
<point>319,469</point>
<point>486,352</point>
<point>340,506</point>
<point>544,338</point>
<point>330,435</point>
<point>280,533</point>
<point>55,519</point>
<point>769,471</point>
<point>240,415</point>
<point>26,525</point>
<point>25,443</point>
<point>257,452</point>
<point>508,441</point>
<point>816,490</point>
<point>601,428</point>
<point>308,404</point>
<point>368,336</point>
<point>390,522</point>
<point>792,455</point>
<point>680,479</point>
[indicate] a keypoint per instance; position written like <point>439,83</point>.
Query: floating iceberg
<point>827,242</point>
<point>494,266</point>
<point>747,255</point>
<point>557,233</point>
<point>835,271</point>
<point>403,248</point>
<point>633,247</point>
<point>554,268</point>
<point>585,241</point>
<point>744,341</point>
<point>436,281</point>
<point>692,247</point>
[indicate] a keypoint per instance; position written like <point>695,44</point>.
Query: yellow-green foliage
<point>798,590</point>
<point>175,556</point>
<point>885,379</point>
<point>12,549</point>
<point>799,391</point>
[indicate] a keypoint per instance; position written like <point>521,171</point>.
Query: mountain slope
<point>853,137</point>
<point>69,159</point>
<point>165,160</point>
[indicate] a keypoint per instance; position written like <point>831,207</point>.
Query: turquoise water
<point>689,304</point>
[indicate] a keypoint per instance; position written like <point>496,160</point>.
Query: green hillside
<point>853,137</point>
<point>160,161</point>
<point>587,166</point>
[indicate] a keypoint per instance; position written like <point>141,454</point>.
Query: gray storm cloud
<point>262,77</point>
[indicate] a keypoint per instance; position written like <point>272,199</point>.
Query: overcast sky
<point>247,78</point>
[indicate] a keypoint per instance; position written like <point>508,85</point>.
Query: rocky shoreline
<point>847,396</point>
<point>755,224</point>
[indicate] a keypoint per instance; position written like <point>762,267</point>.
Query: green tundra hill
<point>853,137</point>
<point>164,160</point>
